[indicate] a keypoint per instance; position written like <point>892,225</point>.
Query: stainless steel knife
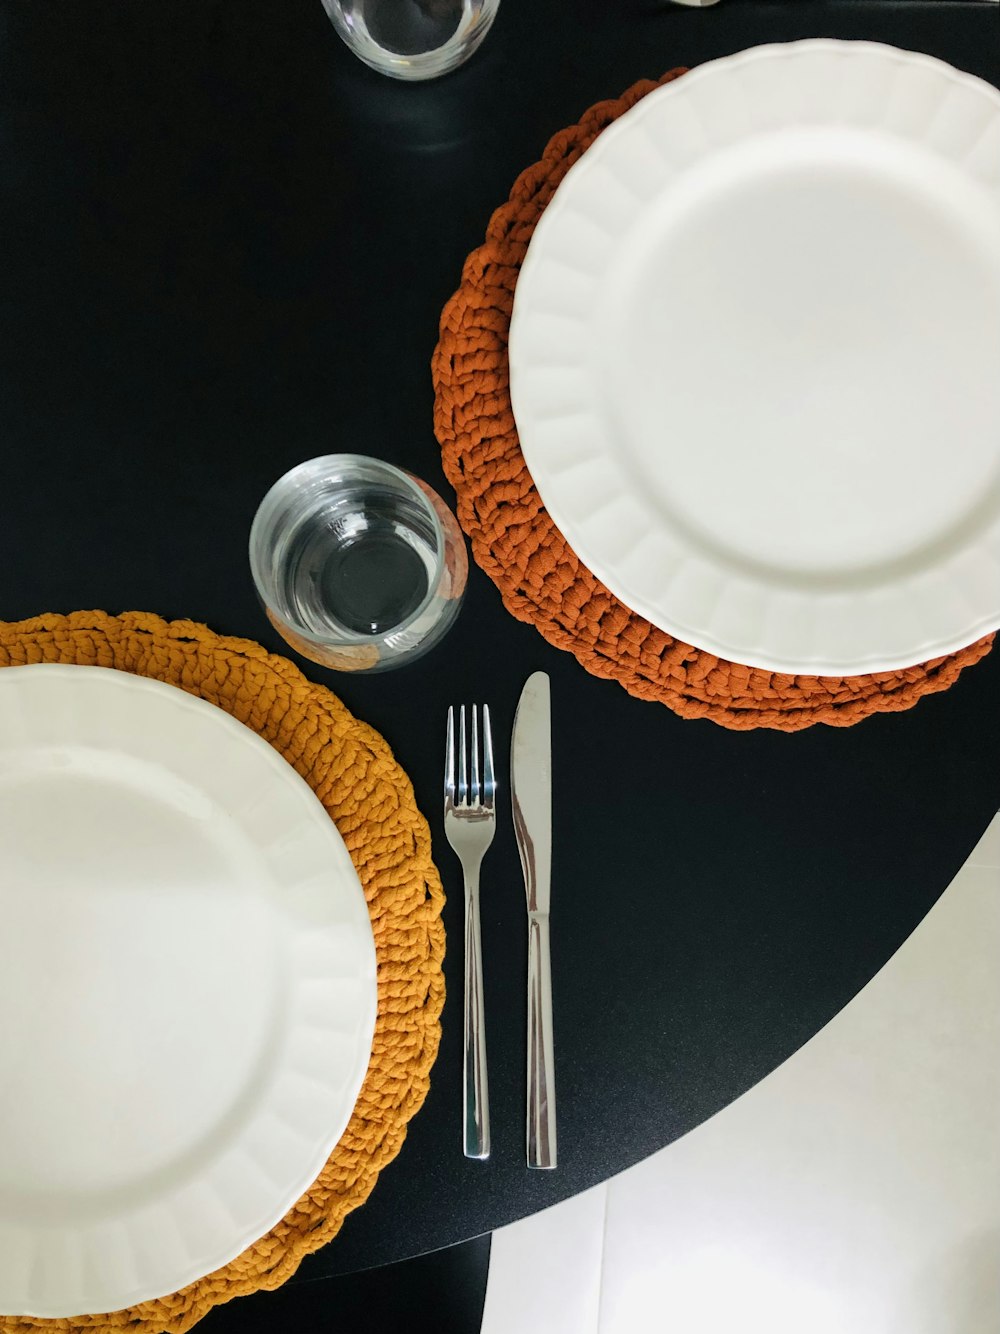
<point>531,798</point>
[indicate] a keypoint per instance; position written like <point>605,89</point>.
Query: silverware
<point>469,823</point>
<point>531,798</point>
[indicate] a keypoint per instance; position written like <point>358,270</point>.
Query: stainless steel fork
<point>469,822</point>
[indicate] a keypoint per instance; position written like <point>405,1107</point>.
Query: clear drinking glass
<point>412,39</point>
<point>360,566</point>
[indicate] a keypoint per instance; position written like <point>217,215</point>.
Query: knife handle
<point>475,1085</point>
<point>541,1064</point>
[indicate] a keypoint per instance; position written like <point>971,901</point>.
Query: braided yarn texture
<point>354,775</point>
<point>514,540</point>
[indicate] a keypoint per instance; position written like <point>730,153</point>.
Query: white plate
<point>187,985</point>
<point>754,358</point>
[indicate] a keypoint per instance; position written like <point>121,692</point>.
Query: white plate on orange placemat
<point>187,985</point>
<point>754,358</point>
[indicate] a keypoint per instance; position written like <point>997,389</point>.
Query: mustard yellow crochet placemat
<point>353,773</point>
<point>540,577</point>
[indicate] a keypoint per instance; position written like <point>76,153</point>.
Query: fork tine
<point>463,760</point>
<point>474,794</point>
<point>489,782</point>
<point>449,757</point>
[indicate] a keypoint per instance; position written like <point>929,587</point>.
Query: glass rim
<point>409,482</point>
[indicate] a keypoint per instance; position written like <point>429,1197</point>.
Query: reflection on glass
<point>412,39</point>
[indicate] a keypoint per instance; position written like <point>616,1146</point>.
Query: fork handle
<point>475,1085</point>
<point>541,1143</point>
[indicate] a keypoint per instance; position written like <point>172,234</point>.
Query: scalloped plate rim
<point>244,747</point>
<point>536,259</point>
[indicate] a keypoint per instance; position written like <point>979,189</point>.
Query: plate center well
<point>799,352</point>
<point>147,982</point>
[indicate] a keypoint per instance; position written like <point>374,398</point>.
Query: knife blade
<point>531,800</point>
<point>531,789</point>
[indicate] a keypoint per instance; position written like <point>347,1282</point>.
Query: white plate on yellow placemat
<point>187,985</point>
<point>754,358</point>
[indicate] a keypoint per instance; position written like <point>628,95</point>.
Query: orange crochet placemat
<point>516,543</point>
<point>353,773</point>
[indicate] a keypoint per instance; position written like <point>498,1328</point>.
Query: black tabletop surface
<point>224,246</point>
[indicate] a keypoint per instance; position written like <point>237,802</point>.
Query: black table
<point>224,246</point>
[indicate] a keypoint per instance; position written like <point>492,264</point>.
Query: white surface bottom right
<point>855,1190</point>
